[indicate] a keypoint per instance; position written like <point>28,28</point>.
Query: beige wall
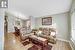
<point>60,21</point>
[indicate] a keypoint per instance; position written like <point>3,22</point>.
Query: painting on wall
<point>47,21</point>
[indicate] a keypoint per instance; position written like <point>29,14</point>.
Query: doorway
<point>5,24</point>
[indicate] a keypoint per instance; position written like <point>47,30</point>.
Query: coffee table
<point>38,40</point>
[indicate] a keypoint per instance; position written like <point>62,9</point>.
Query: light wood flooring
<point>13,43</point>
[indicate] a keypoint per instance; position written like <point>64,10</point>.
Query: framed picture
<point>47,21</point>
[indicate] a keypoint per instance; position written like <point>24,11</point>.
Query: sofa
<point>48,33</point>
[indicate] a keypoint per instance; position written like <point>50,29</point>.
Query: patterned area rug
<point>25,43</point>
<point>48,47</point>
<point>37,47</point>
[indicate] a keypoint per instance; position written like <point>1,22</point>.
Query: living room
<point>34,25</point>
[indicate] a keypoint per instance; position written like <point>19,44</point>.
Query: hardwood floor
<point>61,45</point>
<point>13,43</point>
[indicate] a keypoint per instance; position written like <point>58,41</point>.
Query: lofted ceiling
<point>38,8</point>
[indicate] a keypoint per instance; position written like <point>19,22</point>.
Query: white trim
<point>70,45</point>
<point>62,39</point>
<point>70,42</point>
<point>73,41</point>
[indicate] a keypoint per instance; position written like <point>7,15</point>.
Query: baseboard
<point>73,41</point>
<point>62,39</point>
<point>70,45</point>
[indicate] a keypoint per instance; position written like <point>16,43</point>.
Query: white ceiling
<point>39,8</point>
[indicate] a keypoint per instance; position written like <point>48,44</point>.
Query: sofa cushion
<point>46,31</point>
<point>38,33</point>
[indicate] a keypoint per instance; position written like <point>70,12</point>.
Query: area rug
<point>34,47</point>
<point>47,47</point>
<point>25,43</point>
<point>37,47</point>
